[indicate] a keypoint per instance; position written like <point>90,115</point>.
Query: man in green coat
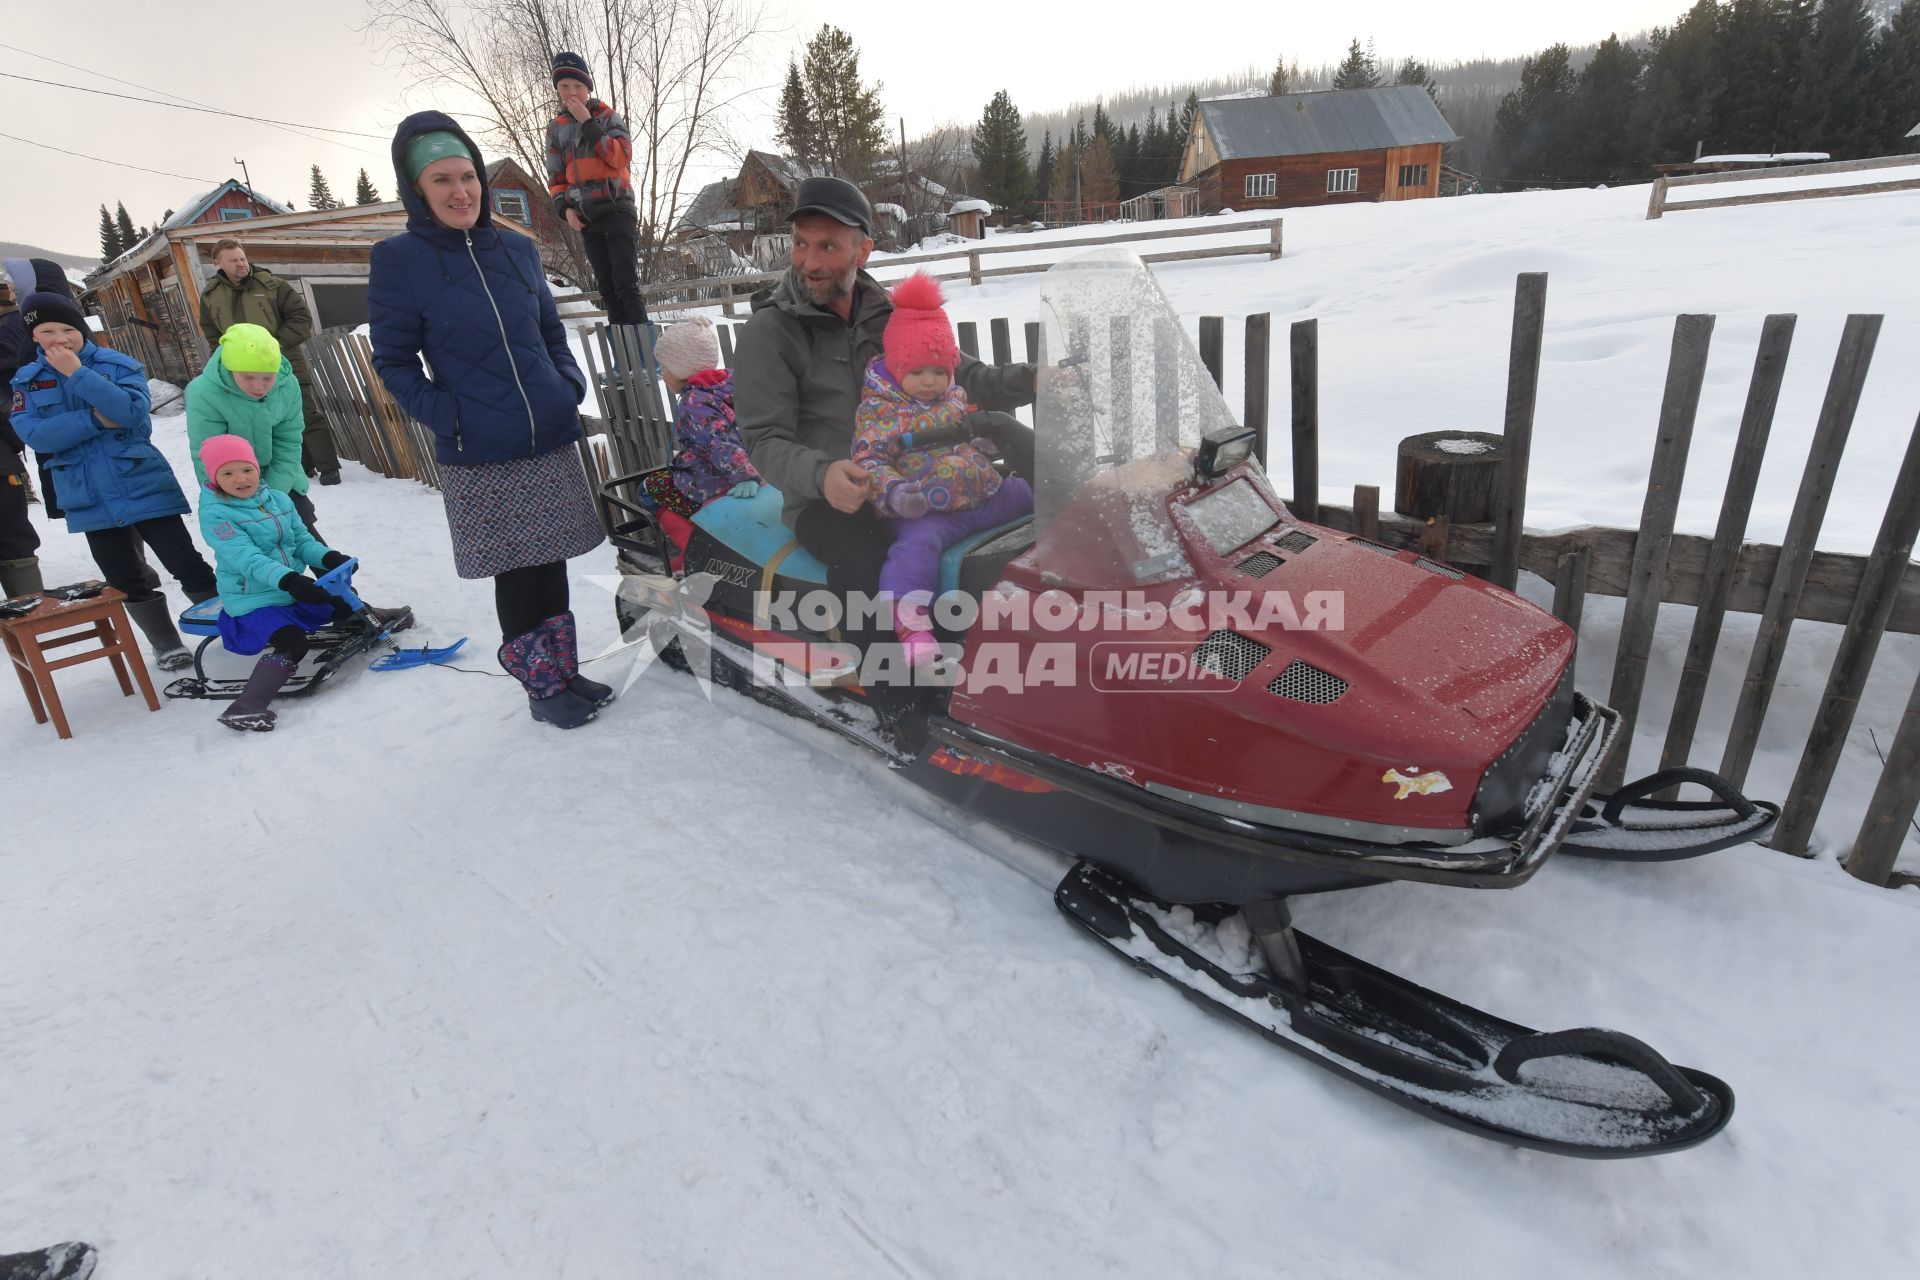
<point>796,384</point>
<point>248,390</point>
<point>240,293</point>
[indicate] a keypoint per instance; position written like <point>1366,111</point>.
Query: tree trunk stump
<point>1456,474</point>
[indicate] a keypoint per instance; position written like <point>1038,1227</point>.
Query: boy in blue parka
<point>85,410</point>
<point>261,545</point>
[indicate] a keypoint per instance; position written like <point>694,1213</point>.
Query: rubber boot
<point>529,658</point>
<point>71,1261</point>
<point>20,577</point>
<point>201,597</point>
<point>249,711</point>
<point>394,618</point>
<point>564,635</point>
<point>156,621</point>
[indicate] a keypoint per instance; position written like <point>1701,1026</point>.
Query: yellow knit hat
<point>248,348</point>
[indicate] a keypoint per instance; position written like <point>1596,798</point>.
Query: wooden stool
<point>29,638</point>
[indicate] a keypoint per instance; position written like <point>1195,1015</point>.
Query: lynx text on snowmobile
<point>1201,706</point>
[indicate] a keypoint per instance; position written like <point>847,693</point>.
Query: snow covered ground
<point>413,986</point>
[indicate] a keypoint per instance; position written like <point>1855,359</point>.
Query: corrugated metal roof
<point>1299,124</point>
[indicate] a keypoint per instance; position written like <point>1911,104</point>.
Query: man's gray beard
<point>843,287</point>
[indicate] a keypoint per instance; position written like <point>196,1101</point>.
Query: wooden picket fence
<point>1648,564</point>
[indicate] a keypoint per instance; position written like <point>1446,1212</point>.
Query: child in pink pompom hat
<point>931,475</point>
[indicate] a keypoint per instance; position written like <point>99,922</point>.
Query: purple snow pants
<point>913,563</point>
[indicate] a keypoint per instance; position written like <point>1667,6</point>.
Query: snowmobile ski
<point>424,656</point>
<point>1585,1092</point>
<point>1627,826</point>
<point>70,1261</point>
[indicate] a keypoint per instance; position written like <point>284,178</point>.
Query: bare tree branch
<point>674,69</point>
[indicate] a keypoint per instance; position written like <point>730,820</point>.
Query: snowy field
<point>415,987</point>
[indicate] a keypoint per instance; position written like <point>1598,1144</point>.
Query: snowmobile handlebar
<point>338,581</point>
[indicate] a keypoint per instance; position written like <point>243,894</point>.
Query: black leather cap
<point>837,199</point>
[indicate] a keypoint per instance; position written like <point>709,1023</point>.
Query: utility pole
<point>246,178</point>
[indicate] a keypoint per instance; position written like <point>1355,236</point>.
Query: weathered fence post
<point>1366,511</point>
<point>1259,333</point>
<point>1033,341</point>
<point>1120,389</point>
<point>973,267</point>
<point>1879,588</point>
<point>726,345</point>
<point>1749,451</point>
<point>1896,797</point>
<point>1686,372</point>
<point>1849,375</point>
<point>1657,202</point>
<point>1213,345</point>
<point>1304,348</point>
<point>969,335</point>
<point>1570,586</point>
<point>997,329</point>
<point>1274,241</point>
<point>1523,387</point>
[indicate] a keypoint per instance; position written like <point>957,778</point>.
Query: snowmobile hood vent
<point>1304,682</point>
<point>1371,545</point>
<point>1231,654</point>
<point>1259,565</point>
<point>1444,570</point>
<point>1295,541</point>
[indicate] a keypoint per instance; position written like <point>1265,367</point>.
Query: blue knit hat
<point>571,66</point>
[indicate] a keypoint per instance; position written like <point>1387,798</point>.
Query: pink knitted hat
<point>918,335</point>
<point>220,450</point>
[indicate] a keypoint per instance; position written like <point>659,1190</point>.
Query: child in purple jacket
<point>710,459</point>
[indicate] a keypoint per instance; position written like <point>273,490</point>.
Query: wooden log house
<point>1334,147</point>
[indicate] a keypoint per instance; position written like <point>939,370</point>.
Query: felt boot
<point>250,710</point>
<point>155,621</point>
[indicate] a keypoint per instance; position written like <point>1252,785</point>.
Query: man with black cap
<point>796,384</point>
<point>19,541</point>
<point>589,176</point>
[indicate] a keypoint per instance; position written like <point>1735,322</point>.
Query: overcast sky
<point>302,61</point>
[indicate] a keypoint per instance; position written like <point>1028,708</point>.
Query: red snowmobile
<point>1204,706</point>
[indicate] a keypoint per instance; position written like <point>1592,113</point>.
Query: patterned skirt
<point>509,515</point>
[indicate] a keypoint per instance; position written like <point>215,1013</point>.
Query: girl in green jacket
<point>248,390</point>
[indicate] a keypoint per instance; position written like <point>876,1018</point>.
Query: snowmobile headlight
<point>1222,450</point>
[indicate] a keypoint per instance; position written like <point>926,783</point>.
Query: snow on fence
<point>1648,564</point>
<point>1658,204</point>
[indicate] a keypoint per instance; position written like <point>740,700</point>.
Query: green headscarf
<point>428,147</point>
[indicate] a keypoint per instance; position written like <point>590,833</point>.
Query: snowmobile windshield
<point>1122,401</point>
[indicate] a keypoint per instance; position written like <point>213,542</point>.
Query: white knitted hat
<point>687,348</point>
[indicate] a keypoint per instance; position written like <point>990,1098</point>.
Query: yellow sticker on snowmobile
<point>1430,783</point>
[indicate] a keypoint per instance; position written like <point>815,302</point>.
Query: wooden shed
<point>1334,147</point>
<point>968,218</point>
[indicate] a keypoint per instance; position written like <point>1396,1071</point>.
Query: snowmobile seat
<point>201,619</point>
<point>751,528</point>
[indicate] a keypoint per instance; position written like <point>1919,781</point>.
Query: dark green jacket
<point>263,299</point>
<point>796,384</point>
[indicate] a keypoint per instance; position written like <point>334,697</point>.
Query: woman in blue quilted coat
<point>501,400</point>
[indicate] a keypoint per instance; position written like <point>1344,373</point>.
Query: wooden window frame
<point>1413,175</point>
<point>1269,181</point>
<point>1341,182</point>
<point>525,216</point>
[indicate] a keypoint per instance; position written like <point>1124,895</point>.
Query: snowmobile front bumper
<point>1494,861</point>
